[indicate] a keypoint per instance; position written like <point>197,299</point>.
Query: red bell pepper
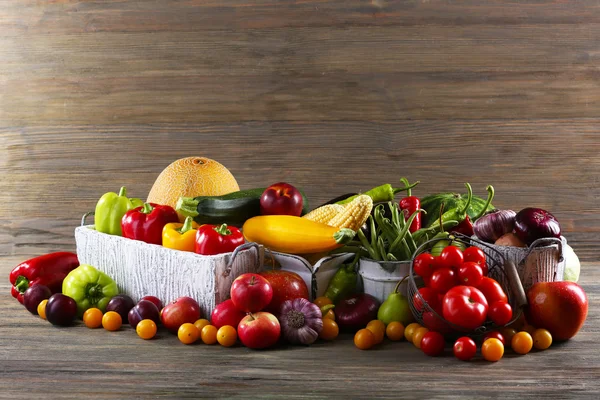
<point>146,223</point>
<point>409,205</point>
<point>49,270</point>
<point>217,239</point>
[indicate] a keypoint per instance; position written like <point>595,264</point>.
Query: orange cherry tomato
<point>329,314</point>
<point>522,342</point>
<point>542,339</point>
<point>92,318</point>
<point>378,329</point>
<point>201,323</point>
<point>209,334</point>
<point>410,329</point>
<point>322,301</point>
<point>111,321</point>
<point>492,349</point>
<point>418,336</point>
<point>188,333</point>
<point>364,339</point>
<point>395,331</point>
<point>41,309</point>
<point>330,329</point>
<point>227,336</point>
<point>146,329</point>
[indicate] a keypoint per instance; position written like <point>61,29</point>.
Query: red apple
<point>226,313</point>
<point>259,330</point>
<point>286,286</point>
<point>178,312</point>
<point>559,307</point>
<point>251,292</point>
<point>154,300</point>
<point>281,199</point>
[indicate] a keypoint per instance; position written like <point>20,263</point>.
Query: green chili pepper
<point>381,193</point>
<point>110,210</point>
<point>456,214</point>
<point>343,283</point>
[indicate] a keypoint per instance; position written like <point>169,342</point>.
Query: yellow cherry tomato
<point>322,301</point>
<point>410,330</point>
<point>92,318</point>
<point>378,329</point>
<point>111,321</point>
<point>330,329</point>
<point>522,342</point>
<point>41,309</point>
<point>227,336</point>
<point>329,315</point>
<point>209,334</point>
<point>542,339</point>
<point>492,349</point>
<point>201,323</point>
<point>418,336</point>
<point>146,329</point>
<point>395,331</point>
<point>364,339</point>
<point>188,333</point>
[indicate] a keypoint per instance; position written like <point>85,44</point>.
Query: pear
<point>395,308</point>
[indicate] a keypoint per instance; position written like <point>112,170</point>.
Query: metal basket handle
<point>87,214</point>
<point>545,241</point>
<point>515,283</point>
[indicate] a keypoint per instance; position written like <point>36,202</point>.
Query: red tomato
<point>430,296</point>
<point>442,280</point>
<point>495,335</point>
<point>437,262</point>
<point>500,313</point>
<point>451,257</point>
<point>465,306</point>
<point>435,323</point>
<point>492,290</point>
<point>476,255</point>
<point>423,265</point>
<point>464,348</point>
<point>470,274</point>
<point>432,344</point>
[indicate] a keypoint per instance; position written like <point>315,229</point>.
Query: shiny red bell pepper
<point>217,239</point>
<point>48,270</point>
<point>146,223</point>
<point>409,205</point>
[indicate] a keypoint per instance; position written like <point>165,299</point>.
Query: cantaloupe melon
<point>191,177</point>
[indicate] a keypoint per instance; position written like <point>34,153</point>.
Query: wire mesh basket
<point>502,270</point>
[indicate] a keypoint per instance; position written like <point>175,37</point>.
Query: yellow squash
<point>295,235</point>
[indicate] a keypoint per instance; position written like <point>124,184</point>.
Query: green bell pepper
<point>343,283</point>
<point>89,288</point>
<point>110,209</point>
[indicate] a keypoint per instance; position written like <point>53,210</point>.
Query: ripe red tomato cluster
<point>457,287</point>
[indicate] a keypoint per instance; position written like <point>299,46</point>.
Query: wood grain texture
<point>42,361</point>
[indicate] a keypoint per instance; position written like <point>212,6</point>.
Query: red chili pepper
<point>215,239</point>
<point>48,270</point>
<point>465,227</point>
<point>146,223</point>
<point>409,205</point>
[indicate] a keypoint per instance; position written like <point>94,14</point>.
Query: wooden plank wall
<point>330,96</point>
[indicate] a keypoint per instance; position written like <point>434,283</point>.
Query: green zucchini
<point>231,209</point>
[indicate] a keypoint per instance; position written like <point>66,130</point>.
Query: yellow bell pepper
<point>180,236</point>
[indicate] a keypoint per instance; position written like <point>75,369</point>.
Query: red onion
<point>491,226</point>
<point>356,311</point>
<point>534,223</point>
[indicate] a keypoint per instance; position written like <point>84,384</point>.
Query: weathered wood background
<point>332,96</point>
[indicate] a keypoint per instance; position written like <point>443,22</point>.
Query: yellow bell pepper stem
<point>179,236</point>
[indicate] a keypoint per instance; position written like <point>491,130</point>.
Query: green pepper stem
<point>222,229</point>
<point>407,184</point>
<point>147,208</point>
<point>187,225</point>
<point>22,284</point>
<point>326,308</point>
<point>468,203</point>
<point>187,206</point>
<point>123,191</point>
<point>407,187</point>
<point>490,190</point>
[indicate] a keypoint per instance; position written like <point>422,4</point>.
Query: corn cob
<point>325,213</point>
<point>355,213</point>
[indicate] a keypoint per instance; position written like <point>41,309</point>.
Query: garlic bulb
<point>300,321</point>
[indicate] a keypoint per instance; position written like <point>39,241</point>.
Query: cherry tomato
<point>41,309</point>
<point>465,306</point>
<point>329,314</point>
<point>418,336</point>
<point>187,333</point>
<point>492,290</point>
<point>435,322</point>
<point>146,329</point>
<point>500,313</point>
<point>227,335</point>
<point>508,334</point>
<point>112,321</point>
<point>492,349</point>
<point>410,330</point>
<point>92,318</point>
<point>437,262</point>
<point>542,339</point>
<point>209,334</point>
<point>201,323</point>
<point>330,329</point>
<point>476,255</point>
<point>433,344</point>
<point>394,331</point>
<point>377,328</point>
<point>464,348</point>
<point>495,335</point>
<point>430,297</point>
<point>322,301</point>
<point>470,274</point>
<point>522,343</point>
<point>364,339</point>
<point>451,257</point>
<point>442,280</point>
<point>423,265</point>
